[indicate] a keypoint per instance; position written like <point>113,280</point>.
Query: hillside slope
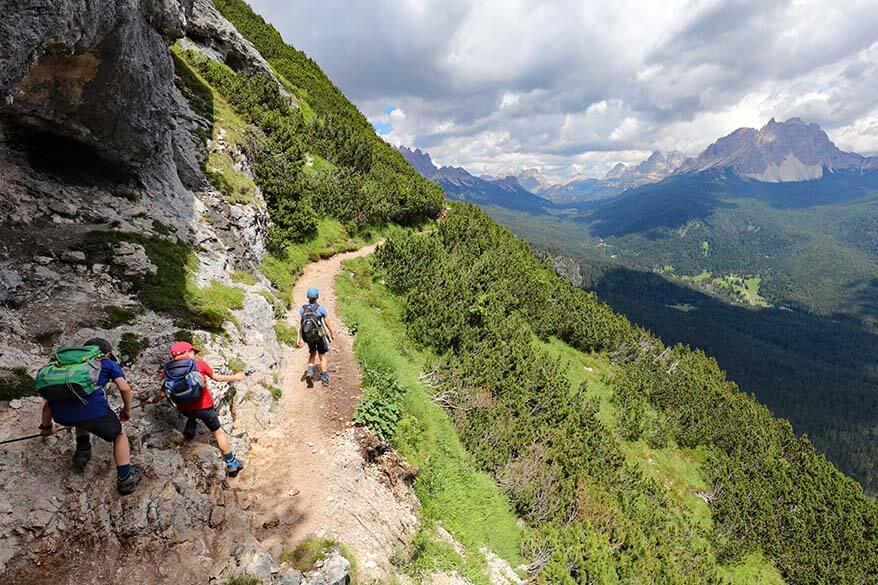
<point>477,297</point>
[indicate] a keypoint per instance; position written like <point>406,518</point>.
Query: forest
<point>815,369</point>
<point>476,295</point>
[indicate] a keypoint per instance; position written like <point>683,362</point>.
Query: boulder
<point>11,285</point>
<point>132,258</point>
<point>335,570</point>
<point>248,559</point>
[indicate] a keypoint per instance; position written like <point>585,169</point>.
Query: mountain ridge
<point>461,185</point>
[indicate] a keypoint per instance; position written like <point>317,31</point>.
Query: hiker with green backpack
<point>73,386</point>
<point>313,330</point>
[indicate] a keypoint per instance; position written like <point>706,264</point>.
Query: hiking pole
<point>26,437</point>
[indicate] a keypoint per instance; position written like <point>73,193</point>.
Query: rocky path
<point>306,477</point>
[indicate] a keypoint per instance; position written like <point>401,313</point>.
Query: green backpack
<point>72,373</point>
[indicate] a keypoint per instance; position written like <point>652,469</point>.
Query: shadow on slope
<point>814,371</point>
<point>678,200</point>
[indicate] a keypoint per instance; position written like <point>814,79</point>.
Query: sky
<point>574,86</point>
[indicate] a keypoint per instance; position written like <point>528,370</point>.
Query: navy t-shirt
<point>70,412</point>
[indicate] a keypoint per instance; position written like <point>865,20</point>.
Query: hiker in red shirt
<point>185,385</point>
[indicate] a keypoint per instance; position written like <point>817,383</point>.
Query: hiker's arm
<point>329,329</point>
<point>299,342</point>
<point>47,427</point>
<point>229,377</point>
<point>125,391</point>
<point>157,398</point>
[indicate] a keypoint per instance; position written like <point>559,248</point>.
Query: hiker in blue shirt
<point>316,332</point>
<point>92,415</point>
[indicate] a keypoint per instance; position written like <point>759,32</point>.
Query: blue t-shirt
<point>321,311</point>
<point>70,412</point>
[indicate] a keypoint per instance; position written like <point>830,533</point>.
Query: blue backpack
<point>183,382</point>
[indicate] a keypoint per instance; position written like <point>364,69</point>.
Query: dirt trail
<point>305,475</point>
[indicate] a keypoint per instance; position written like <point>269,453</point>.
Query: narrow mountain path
<point>305,476</point>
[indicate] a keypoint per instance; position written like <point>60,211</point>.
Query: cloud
<point>574,86</point>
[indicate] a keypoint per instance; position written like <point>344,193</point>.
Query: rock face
<point>96,74</point>
<point>420,160</point>
<point>779,152</point>
<point>221,41</point>
<point>568,268</point>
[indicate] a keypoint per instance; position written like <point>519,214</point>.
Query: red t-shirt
<point>206,400</point>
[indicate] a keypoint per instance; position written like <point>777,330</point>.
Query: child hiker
<point>185,385</point>
<point>313,330</point>
<point>70,404</point>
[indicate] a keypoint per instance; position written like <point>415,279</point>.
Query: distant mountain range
<point>460,185</point>
<point>779,152</point>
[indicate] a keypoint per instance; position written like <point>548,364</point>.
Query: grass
<point>162,229</point>
<point>16,383</point>
<point>276,392</point>
<point>593,371</point>
<point>118,316</point>
<point>244,580</point>
<point>236,186</point>
<point>285,333</point>
<point>131,196</point>
<point>451,490</point>
<point>309,552</point>
<point>754,568</point>
<point>131,346</point>
<point>236,364</point>
<point>171,290</point>
<point>242,277</point>
<point>283,269</point>
<point>48,337</point>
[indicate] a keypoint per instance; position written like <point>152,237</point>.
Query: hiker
<point>185,386</point>
<point>87,409</point>
<point>314,330</point>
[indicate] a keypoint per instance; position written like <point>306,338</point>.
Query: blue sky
<point>574,86</point>
<point>383,125</point>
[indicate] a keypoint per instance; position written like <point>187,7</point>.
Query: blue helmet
<point>313,293</point>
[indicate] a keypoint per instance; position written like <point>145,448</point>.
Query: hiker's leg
<point>121,450</point>
<point>324,366</point>
<point>222,441</point>
<point>312,358</point>
<point>83,438</point>
<point>210,419</point>
<point>82,452</point>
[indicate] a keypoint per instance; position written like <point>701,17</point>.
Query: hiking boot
<point>81,457</point>
<point>191,429</point>
<point>234,467</point>
<point>324,378</point>
<point>309,378</point>
<point>129,483</point>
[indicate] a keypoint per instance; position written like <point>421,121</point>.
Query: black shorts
<point>106,427</point>
<point>321,346</point>
<point>208,416</point>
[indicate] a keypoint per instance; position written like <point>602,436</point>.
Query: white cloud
<point>575,86</point>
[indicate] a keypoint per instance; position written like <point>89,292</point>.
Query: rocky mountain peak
<point>420,160</point>
<point>532,180</point>
<point>617,171</point>
<point>778,152</point>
